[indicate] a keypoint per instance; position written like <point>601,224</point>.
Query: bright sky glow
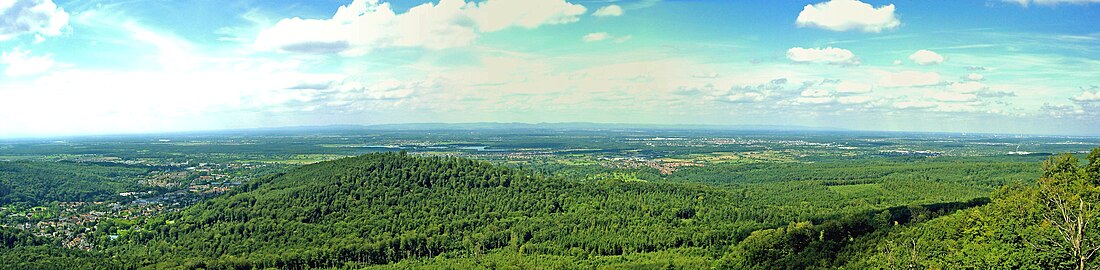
<point>107,67</point>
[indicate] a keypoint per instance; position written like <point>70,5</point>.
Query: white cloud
<point>609,10</point>
<point>592,37</point>
<point>39,17</point>
<point>741,97</point>
<point>849,87</point>
<point>909,79</point>
<point>601,36</point>
<point>828,55</point>
<point>845,15</point>
<point>975,77</point>
<point>1088,97</point>
<point>23,63</point>
<point>494,15</point>
<point>926,57</point>
<point>365,25</point>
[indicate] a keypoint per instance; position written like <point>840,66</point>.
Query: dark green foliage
<point>385,208</point>
<point>35,183</point>
<point>398,210</point>
<point>1061,164</point>
<point>1093,167</point>
<point>806,245</point>
<point>1015,231</point>
<point>22,250</point>
<point>11,238</point>
<point>382,208</point>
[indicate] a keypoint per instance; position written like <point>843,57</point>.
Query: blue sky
<point>108,67</point>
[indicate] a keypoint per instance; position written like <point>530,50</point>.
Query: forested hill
<point>379,209</point>
<point>382,208</point>
<point>34,183</point>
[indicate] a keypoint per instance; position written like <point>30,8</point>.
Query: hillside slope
<point>383,208</point>
<point>380,209</point>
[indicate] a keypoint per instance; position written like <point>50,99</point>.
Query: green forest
<point>35,183</point>
<point>397,210</point>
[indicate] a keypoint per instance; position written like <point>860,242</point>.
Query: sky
<point>115,67</point>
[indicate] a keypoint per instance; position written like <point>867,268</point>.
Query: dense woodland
<point>397,210</point>
<point>35,183</point>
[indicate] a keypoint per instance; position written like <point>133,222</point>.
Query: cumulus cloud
<point>364,25</point>
<point>828,55</point>
<point>975,77</point>
<point>750,93</point>
<point>995,94</point>
<point>368,24</point>
<point>830,92</point>
<point>845,15</point>
<point>744,97</point>
<point>39,17</point>
<point>593,37</point>
<point>22,63</point>
<point>609,11</point>
<point>926,57</point>
<point>495,15</point>
<point>910,79</point>
<point>601,36</point>
<point>1088,97</point>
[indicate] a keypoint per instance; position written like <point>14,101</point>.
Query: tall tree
<point>1068,198</point>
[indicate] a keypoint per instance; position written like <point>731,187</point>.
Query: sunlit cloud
<point>31,17</point>
<point>926,57</point>
<point>828,55</point>
<point>845,15</point>
<point>608,11</point>
<point>23,63</point>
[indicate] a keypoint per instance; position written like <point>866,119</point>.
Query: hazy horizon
<point>80,67</point>
<point>302,129</point>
